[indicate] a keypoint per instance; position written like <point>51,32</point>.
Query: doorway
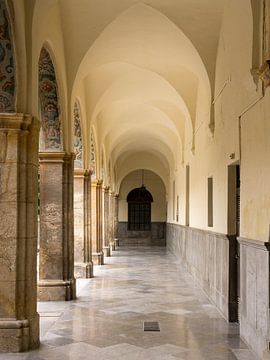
<point>234,184</point>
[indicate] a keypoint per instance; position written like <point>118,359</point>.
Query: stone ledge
<point>264,246</point>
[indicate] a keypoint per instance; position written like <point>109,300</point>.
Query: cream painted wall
<point>153,184</point>
<point>212,153</point>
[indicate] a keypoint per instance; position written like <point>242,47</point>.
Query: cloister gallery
<point>139,132</point>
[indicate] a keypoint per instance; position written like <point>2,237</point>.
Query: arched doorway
<point>139,209</point>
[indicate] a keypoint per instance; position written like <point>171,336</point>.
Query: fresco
<point>7,64</point>
<point>77,136</point>
<point>50,138</point>
<point>93,156</point>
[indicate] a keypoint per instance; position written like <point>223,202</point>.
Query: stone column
<point>111,221</point>
<point>96,222</point>
<point>116,207</point>
<point>82,239</point>
<point>19,320</point>
<point>56,259</point>
<point>105,222</point>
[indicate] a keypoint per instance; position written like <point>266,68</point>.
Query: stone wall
<point>206,256</point>
<point>155,237</point>
<point>254,295</point>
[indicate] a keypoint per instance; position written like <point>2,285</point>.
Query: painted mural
<point>7,63</point>
<point>77,137</point>
<point>50,138</point>
<point>93,156</point>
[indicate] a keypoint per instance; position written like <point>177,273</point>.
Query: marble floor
<point>106,321</point>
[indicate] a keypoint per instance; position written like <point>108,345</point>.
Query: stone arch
<point>93,157</point>
<point>51,129</point>
<point>78,143</point>
<point>7,61</point>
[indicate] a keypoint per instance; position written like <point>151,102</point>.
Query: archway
<point>142,209</point>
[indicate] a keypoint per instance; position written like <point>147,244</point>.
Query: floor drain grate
<point>151,326</point>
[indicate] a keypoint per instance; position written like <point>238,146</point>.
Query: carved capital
<point>264,73</point>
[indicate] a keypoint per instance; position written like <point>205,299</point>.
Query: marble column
<point>82,238</point>
<point>19,320</point>
<point>116,207</point>
<point>111,221</point>
<point>105,222</point>
<point>96,222</point>
<point>56,255</point>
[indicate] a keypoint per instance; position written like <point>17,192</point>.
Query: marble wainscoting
<point>155,237</point>
<point>254,295</point>
<point>206,256</point>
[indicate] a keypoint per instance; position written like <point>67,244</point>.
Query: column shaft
<point>116,207</point>
<point>82,239</point>
<point>56,270</point>
<point>105,223</point>
<point>96,223</point>
<point>19,320</point>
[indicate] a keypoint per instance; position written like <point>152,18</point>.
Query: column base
<point>116,242</point>
<point>19,335</point>
<point>98,258</point>
<point>56,290</point>
<point>84,270</point>
<point>107,251</point>
<point>112,246</point>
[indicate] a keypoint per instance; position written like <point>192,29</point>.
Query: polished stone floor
<point>106,321</point>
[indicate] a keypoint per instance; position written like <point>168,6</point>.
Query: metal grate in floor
<point>151,326</point>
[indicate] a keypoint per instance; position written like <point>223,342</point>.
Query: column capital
<point>116,196</point>
<point>79,172</point>
<point>53,157</point>
<point>16,121</point>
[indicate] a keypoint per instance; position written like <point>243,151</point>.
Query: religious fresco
<point>7,63</point>
<point>77,137</point>
<point>93,156</point>
<point>50,139</point>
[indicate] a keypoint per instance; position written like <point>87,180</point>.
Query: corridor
<point>136,285</point>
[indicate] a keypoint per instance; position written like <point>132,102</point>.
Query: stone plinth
<point>254,294</point>
<point>19,320</point>
<point>82,239</point>
<point>56,270</point>
<point>96,222</point>
<point>205,255</point>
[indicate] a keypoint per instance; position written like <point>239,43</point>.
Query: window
<point>139,209</point>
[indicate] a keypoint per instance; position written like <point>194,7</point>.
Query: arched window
<point>139,209</point>
<point>51,137</point>
<point>93,156</point>
<point>7,63</point>
<point>78,148</point>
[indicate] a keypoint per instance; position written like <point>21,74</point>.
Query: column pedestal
<point>96,223</point>
<point>83,267</point>
<point>56,270</point>
<point>19,320</point>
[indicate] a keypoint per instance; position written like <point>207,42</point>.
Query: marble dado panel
<point>254,294</point>
<point>206,256</point>
<point>156,236</point>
